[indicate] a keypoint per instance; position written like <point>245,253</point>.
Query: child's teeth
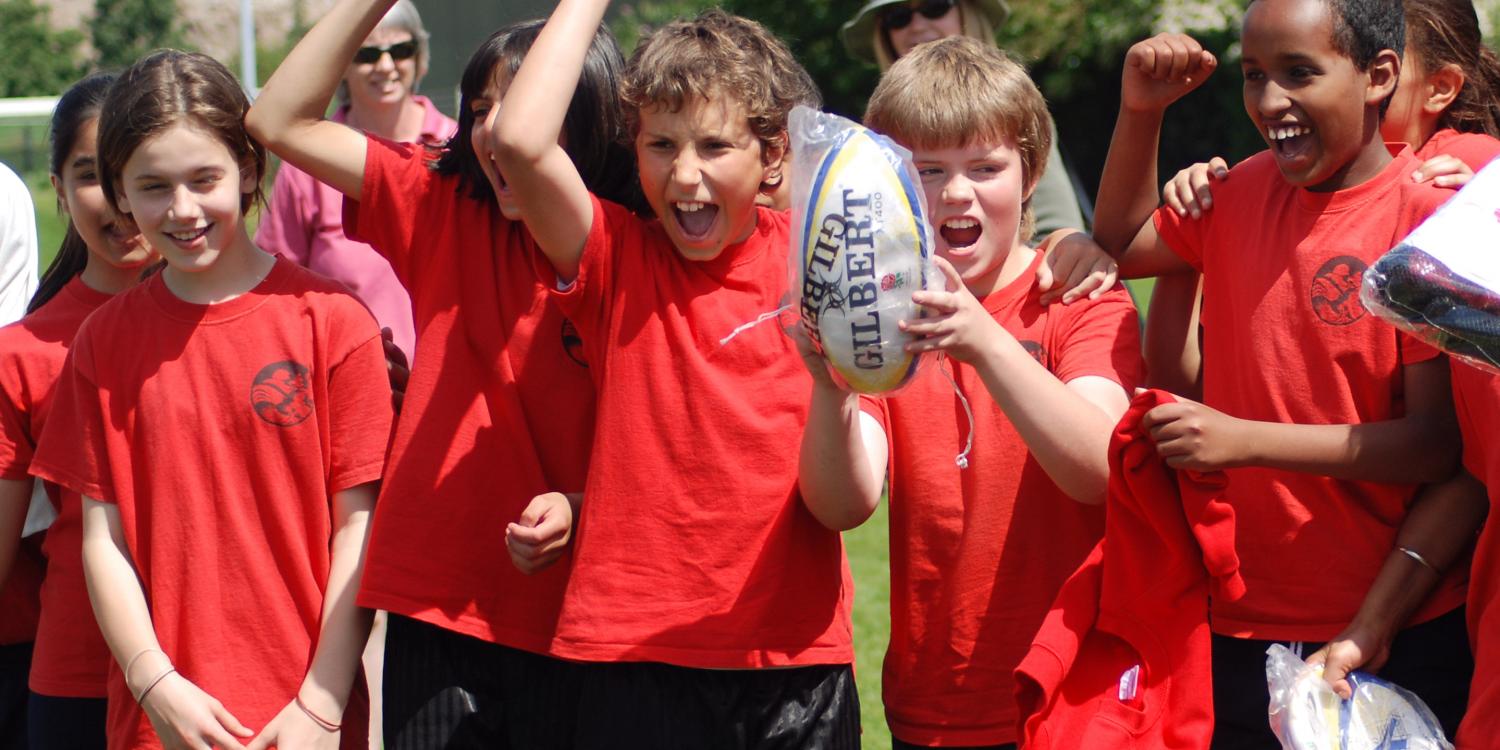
<point>961,223</point>
<point>688,207</point>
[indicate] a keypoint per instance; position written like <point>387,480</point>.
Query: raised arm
<point>288,115</point>
<point>1158,71</point>
<point>552,196</point>
<point>324,692</point>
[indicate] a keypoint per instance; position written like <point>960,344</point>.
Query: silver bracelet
<point>1420,559</point>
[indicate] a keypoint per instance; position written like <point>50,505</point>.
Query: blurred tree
<point>39,61</point>
<point>123,30</point>
<point>1074,49</point>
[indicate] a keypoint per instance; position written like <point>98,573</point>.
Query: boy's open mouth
<point>1289,141</point>
<point>695,218</point>
<point>960,232</point>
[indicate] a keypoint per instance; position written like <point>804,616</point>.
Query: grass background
<point>867,545</point>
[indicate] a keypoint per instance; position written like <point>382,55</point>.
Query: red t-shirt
<point>1473,149</point>
<point>1124,658</point>
<point>1476,398</point>
<point>694,547</point>
<point>71,659</point>
<point>971,578</point>
<point>499,408</point>
<point>222,432</point>
<point>1287,340</point>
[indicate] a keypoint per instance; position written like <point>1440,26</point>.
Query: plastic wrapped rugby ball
<point>861,248</point>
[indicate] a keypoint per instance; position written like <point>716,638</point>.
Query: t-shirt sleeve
<point>287,225</point>
<point>1184,235</point>
<point>1101,338</point>
<point>1422,201</point>
<point>359,407</point>
<point>587,300</point>
<point>73,450</point>
<point>389,215</point>
<point>15,425</point>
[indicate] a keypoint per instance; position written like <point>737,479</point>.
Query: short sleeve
<point>16,440</point>
<point>1183,235</point>
<point>73,451</point>
<point>388,216</point>
<point>1101,339</point>
<point>587,300</point>
<point>359,415</point>
<point>287,226</point>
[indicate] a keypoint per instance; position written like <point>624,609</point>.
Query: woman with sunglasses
<point>305,221</point>
<point>884,30</point>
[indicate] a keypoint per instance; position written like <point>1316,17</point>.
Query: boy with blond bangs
<point>1322,417</point>
<point>712,606</point>
<point>970,578</point>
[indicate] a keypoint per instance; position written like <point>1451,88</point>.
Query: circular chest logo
<point>1035,350</point>
<point>282,394</point>
<point>1335,291</point>
<point>572,343</point>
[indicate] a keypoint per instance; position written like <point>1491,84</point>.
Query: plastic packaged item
<point>1307,715</point>
<point>1442,283</point>
<point>861,246</point>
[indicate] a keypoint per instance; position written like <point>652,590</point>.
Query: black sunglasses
<point>399,51</point>
<point>899,16</point>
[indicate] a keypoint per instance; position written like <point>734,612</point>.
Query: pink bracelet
<point>322,723</point>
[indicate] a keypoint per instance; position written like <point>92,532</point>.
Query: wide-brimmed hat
<point>859,31</point>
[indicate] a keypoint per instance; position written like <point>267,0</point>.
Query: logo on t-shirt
<point>1036,351</point>
<point>1335,291</point>
<point>282,394</point>
<point>572,343</point>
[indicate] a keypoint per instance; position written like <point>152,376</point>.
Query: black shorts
<point>15,670</point>
<point>1431,659</point>
<point>73,723</point>
<point>899,745</point>
<point>663,707</point>
<point>444,690</point>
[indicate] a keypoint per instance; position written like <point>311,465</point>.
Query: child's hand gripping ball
<point>861,247</point>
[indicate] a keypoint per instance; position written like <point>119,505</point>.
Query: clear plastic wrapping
<point>1307,715</point>
<point>1442,283</point>
<point>861,245</point>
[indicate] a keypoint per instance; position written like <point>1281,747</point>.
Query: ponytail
<point>72,256</point>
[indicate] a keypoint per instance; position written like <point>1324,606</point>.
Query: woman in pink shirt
<point>305,220</point>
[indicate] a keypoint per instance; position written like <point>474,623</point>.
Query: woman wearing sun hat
<point>884,30</point>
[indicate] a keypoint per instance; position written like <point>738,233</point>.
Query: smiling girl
<point>101,255</point>
<point>226,423</point>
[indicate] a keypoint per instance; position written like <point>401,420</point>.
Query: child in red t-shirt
<point>697,567</point>
<point>226,422</point>
<point>500,386</point>
<point>101,255</point>
<point>971,577</point>
<point>1323,419</point>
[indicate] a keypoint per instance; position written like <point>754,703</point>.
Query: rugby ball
<point>862,247</point>
<point>1379,716</point>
